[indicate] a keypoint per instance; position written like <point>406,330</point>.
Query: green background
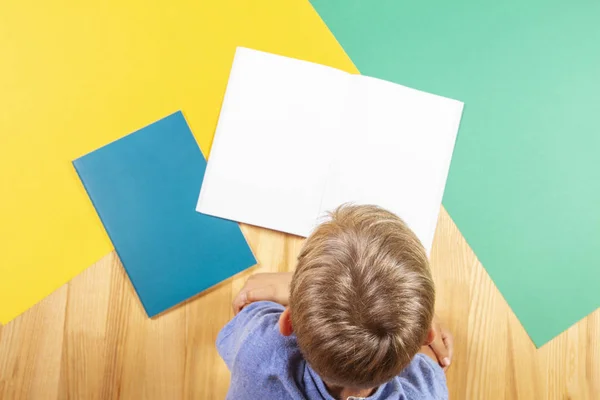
<point>524,185</point>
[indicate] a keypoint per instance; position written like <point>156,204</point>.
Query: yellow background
<point>75,76</point>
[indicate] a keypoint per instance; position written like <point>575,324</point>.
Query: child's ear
<point>430,337</point>
<point>285,322</point>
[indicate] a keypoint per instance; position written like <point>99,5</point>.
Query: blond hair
<point>362,297</point>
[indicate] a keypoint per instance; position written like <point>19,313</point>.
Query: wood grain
<point>91,339</point>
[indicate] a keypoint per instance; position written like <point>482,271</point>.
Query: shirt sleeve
<point>424,379</point>
<point>252,321</point>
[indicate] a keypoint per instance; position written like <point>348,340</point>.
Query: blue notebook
<point>144,188</point>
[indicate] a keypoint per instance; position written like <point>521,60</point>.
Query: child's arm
<point>443,344</point>
<point>273,287</point>
<point>243,339</point>
<point>428,351</point>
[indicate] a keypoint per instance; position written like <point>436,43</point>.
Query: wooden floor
<point>91,339</point>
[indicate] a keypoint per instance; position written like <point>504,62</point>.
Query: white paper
<point>296,139</point>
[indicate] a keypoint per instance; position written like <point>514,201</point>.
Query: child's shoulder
<point>423,377</point>
<point>262,361</point>
<point>255,319</point>
<point>252,337</point>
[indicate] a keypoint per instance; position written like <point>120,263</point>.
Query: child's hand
<point>443,344</point>
<point>264,287</point>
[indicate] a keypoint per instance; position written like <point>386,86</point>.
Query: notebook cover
<point>144,188</point>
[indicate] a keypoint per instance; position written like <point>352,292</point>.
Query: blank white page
<point>269,157</point>
<point>394,151</point>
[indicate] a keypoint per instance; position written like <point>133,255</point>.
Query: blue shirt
<point>266,365</point>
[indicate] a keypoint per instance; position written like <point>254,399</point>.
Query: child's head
<point>362,297</point>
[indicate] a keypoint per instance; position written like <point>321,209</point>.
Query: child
<point>355,320</point>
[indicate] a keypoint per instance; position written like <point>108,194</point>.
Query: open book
<point>297,139</point>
